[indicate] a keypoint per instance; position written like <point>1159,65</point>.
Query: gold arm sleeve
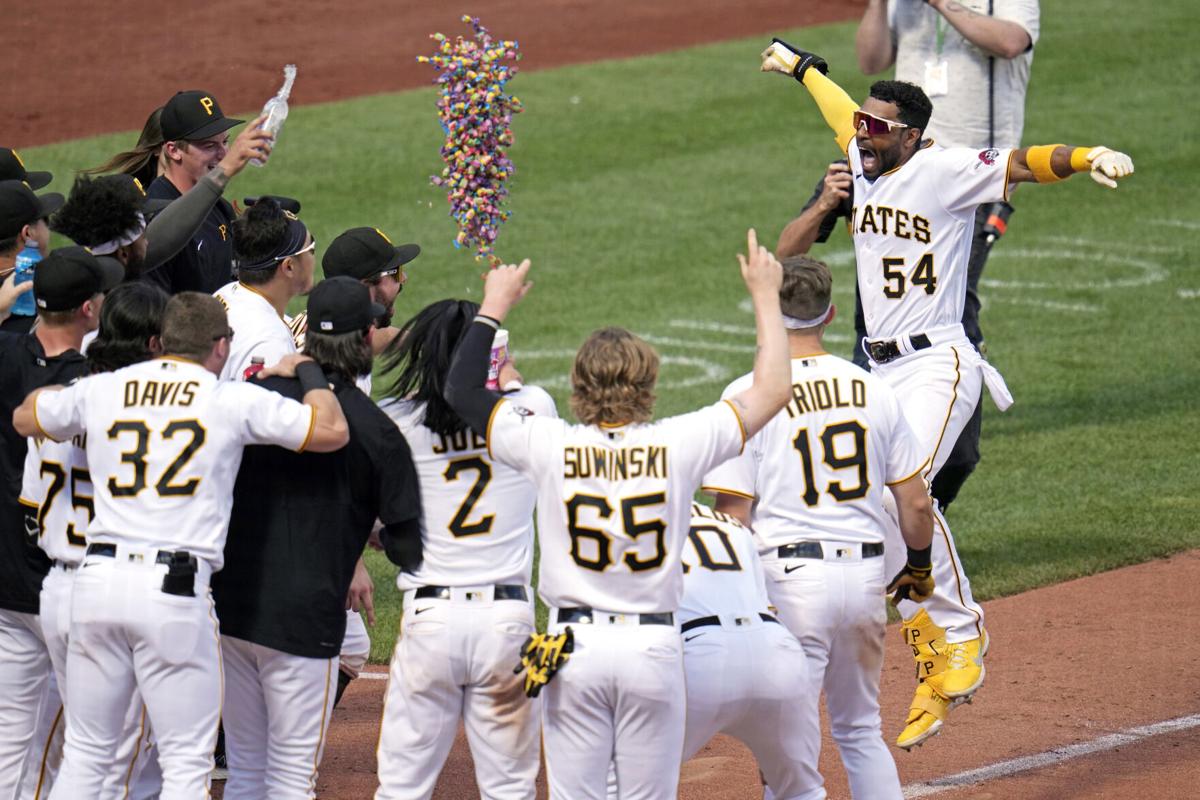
<point>836,106</point>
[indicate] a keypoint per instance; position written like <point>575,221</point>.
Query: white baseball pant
<point>127,634</point>
<point>835,607</point>
<point>938,389</point>
<point>277,709</point>
<point>356,645</point>
<point>620,700</point>
<point>133,773</point>
<point>455,659</point>
<point>24,695</point>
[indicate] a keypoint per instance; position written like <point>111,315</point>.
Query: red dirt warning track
<point>1069,664</point>
<point>73,69</point>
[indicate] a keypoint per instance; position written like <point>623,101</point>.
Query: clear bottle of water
<point>29,256</point>
<point>276,109</point>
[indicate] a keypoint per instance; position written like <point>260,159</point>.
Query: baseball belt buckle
<point>616,619</point>
<point>843,552</point>
<point>741,621</point>
<point>882,352</point>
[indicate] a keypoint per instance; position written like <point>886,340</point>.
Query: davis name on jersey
<point>164,445</point>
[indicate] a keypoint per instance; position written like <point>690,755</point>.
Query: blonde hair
<point>807,286</point>
<point>613,378</point>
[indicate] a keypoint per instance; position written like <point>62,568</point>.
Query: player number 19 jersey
<point>819,468</point>
<point>614,502</point>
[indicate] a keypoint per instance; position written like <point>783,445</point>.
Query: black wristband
<point>920,559</point>
<point>311,376</point>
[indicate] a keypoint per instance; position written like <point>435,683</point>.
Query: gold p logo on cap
<point>208,104</point>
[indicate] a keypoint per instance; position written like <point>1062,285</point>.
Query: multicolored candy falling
<point>476,115</point>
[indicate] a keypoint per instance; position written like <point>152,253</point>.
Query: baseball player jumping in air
<point>812,484</point>
<point>912,225</point>
<point>614,502</point>
<point>468,606</point>
<point>164,439</point>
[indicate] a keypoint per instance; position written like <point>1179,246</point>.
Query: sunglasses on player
<point>876,126</point>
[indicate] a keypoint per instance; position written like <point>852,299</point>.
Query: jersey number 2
<point>459,525</point>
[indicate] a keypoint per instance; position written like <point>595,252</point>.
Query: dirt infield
<point>96,67</point>
<point>1070,664</point>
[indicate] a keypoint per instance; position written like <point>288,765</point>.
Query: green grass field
<point>636,181</point>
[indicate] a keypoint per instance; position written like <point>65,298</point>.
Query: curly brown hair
<point>613,378</point>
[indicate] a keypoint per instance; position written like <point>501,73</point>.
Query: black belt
<point>110,551</point>
<point>67,565</point>
<point>882,351</point>
<point>814,550</point>
<point>585,616</point>
<point>502,592</point>
<point>704,621</point>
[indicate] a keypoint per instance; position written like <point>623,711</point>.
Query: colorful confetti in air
<point>476,115</point>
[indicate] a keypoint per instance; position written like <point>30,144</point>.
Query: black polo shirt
<point>300,522</point>
<point>205,263</point>
<point>23,368</point>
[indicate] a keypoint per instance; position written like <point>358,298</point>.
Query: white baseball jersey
<point>56,481</point>
<point>721,570</point>
<point>912,230</point>
<point>164,444</point>
<point>820,467</point>
<point>477,513</point>
<point>259,331</point>
<point>614,502</point>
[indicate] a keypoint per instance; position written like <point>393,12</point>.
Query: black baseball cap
<point>193,115</point>
<point>362,253</point>
<point>341,305</point>
<point>12,168</point>
<point>68,276</point>
<point>19,206</point>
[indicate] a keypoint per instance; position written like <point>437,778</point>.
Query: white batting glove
<point>1108,166</point>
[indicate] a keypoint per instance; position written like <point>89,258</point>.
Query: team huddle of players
<point>669,621</point>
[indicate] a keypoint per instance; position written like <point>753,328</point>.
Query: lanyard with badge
<point>937,69</point>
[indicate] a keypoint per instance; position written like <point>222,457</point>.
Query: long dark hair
<point>422,353</point>
<point>131,314</point>
<point>142,161</point>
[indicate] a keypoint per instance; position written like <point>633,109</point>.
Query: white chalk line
<point>1177,223</point>
<point>1052,305</point>
<point>373,676</point>
<point>1048,758</point>
<point>1189,294</point>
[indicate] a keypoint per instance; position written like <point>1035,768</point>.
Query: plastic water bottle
<point>29,256</point>
<point>276,109</point>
